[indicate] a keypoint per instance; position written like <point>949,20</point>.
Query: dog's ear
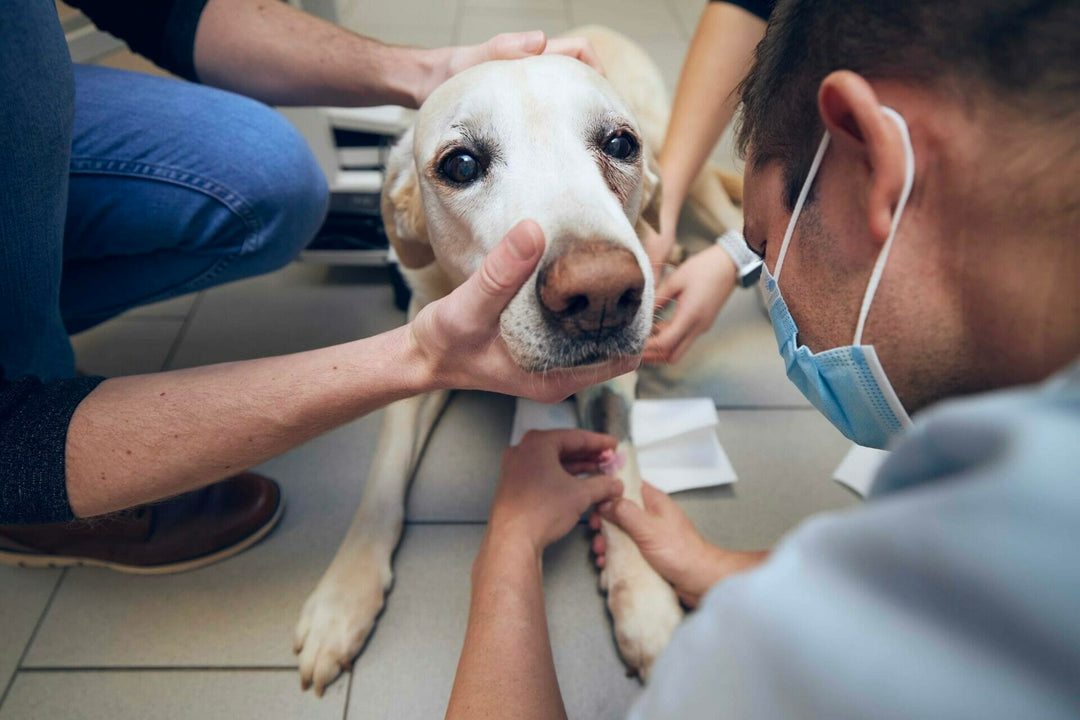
<point>403,209</point>
<point>650,193</point>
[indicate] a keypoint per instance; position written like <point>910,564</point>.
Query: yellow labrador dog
<point>546,138</point>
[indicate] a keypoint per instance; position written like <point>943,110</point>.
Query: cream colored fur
<point>538,110</point>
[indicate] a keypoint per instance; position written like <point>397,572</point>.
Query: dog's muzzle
<point>589,298</point>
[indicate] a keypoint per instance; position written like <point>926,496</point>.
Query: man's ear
<point>650,193</point>
<point>853,115</point>
<point>403,208</point>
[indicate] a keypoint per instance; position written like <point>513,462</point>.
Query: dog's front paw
<point>645,611</point>
<point>339,615</point>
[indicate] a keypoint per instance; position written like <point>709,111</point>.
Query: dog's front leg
<point>644,607</point>
<point>340,614</point>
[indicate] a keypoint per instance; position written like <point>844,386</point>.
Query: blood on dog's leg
<point>340,613</point>
<point>644,607</point>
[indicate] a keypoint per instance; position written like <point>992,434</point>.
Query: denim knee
<point>37,93</point>
<point>288,192</point>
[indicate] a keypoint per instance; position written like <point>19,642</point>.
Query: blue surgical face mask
<point>847,384</point>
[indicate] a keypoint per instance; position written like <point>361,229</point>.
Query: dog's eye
<point>461,168</point>
<point>621,146</point>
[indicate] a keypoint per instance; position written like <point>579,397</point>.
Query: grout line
<point>159,668</point>
<point>33,636</point>
<point>455,37</point>
<point>175,348</point>
<point>348,694</point>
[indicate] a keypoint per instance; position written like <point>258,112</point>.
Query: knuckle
<point>490,279</point>
<point>503,43</point>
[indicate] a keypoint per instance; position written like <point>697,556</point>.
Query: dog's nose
<point>594,289</point>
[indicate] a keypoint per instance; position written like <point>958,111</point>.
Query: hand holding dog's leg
<point>644,607</point>
<point>506,667</point>
<point>671,544</point>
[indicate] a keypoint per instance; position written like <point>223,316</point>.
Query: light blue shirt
<point>954,592</point>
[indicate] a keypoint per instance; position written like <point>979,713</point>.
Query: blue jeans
<point>119,189</point>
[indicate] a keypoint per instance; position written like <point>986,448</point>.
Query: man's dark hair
<point>1024,53</point>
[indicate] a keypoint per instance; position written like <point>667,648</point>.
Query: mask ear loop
<point>879,266</point>
<point>799,205</point>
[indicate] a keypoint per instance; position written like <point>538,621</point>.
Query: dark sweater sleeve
<point>762,8</point>
<point>34,419</point>
<point>161,30</point>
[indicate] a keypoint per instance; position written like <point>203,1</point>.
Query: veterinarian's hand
<point>458,337</point>
<point>699,288</point>
<point>538,497</point>
<point>507,46</point>
<point>670,543</point>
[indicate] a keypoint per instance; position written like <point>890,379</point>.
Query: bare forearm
<point>142,438</point>
<point>718,59</point>
<point>271,51</point>
<point>713,565</point>
<point>506,667</point>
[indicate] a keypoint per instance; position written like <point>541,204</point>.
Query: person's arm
<point>506,667</point>
<point>718,59</point>
<point>280,55</point>
<point>716,62</point>
<point>144,437</point>
<point>141,438</point>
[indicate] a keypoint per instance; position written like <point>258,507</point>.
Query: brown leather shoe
<point>186,532</point>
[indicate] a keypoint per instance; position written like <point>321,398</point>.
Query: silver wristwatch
<point>747,264</point>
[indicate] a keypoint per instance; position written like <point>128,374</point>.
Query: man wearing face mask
<point>913,185</point>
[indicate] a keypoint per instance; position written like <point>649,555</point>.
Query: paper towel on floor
<point>859,467</point>
<point>676,440</point>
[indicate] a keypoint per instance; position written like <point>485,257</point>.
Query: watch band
<point>747,264</point>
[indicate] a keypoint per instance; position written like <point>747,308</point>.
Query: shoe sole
<point>60,561</point>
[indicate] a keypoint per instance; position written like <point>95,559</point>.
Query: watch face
<point>748,276</point>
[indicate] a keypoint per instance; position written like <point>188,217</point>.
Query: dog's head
<point>544,138</point>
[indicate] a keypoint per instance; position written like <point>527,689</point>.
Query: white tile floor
<point>215,643</point>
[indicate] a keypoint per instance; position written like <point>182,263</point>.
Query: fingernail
<point>523,244</point>
<point>534,41</point>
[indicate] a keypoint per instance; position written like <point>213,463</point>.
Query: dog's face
<point>544,138</point>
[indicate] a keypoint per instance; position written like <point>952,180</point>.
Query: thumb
<point>627,515</point>
<point>505,270</point>
<point>599,488</point>
<point>509,46</point>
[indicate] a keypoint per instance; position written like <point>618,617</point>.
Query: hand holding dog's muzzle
<point>459,339</point>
